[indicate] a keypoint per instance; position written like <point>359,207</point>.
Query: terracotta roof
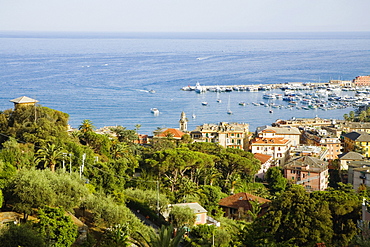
<point>262,157</point>
<point>241,200</point>
<point>23,99</point>
<point>268,131</point>
<point>267,141</point>
<point>174,132</point>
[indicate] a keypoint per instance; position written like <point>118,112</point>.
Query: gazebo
<point>23,101</point>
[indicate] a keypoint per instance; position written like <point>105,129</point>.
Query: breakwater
<point>264,87</point>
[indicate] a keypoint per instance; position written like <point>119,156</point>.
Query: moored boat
<point>155,111</point>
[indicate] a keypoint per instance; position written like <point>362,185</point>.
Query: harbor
<point>299,96</point>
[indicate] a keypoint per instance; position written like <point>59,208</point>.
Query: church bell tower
<point>183,122</point>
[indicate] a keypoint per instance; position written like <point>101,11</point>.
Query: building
<point>168,133</point>
<point>361,81</point>
<point>359,173</point>
<point>356,127</point>
<point>267,143</point>
<point>199,212</point>
<point>308,150</point>
<point>310,172</point>
<point>357,141</point>
<point>183,122</point>
<point>23,101</point>
<point>300,122</point>
<point>228,135</point>
<point>236,206</point>
<point>266,163</point>
<point>333,145</point>
<point>291,133</point>
<point>345,158</point>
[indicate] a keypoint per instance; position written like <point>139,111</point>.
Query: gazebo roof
<point>23,100</point>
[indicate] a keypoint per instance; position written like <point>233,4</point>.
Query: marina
<point>300,96</point>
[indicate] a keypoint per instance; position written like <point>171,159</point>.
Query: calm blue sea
<point>105,77</point>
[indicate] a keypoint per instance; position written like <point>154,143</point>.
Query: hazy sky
<point>185,15</point>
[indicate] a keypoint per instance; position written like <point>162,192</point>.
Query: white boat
<point>228,107</point>
<point>199,88</point>
<point>204,103</point>
<point>155,111</point>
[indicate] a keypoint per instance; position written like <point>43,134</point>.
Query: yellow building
<point>358,142</point>
<point>228,135</point>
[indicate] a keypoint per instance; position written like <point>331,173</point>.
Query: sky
<point>185,15</point>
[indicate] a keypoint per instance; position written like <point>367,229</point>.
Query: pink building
<point>362,80</point>
<point>310,172</point>
<point>199,211</point>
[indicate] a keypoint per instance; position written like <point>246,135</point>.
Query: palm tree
<point>165,237</point>
<point>86,126</point>
<point>49,155</point>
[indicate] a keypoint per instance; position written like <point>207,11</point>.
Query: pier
<point>262,87</point>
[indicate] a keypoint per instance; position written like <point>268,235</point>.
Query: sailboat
<point>228,107</point>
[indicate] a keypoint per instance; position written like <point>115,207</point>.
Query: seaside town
<point>220,184</point>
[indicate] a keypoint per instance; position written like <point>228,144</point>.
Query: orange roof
<point>267,141</point>
<point>241,200</point>
<point>268,131</point>
<point>262,157</point>
<point>173,132</point>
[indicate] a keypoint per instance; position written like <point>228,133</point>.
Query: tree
<point>211,195</point>
<point>296,218</point>
<point>125,135</point>
<point>345,211</point>
<point>86,126</point>
<point>201,235</point>
<point>181,216</point>
<point>56,228</point>
<point>230,164</point>
<point>117,236</point>
<point>29,190</point>
<point>275,179</point>
<point>50,155</point>
<point>32,189</point>
<point>1,198</point>
<point>165,237</point>
<point>19,155</point>
<point>36,125</point>
<point>20,235</point>
<point>177,163</point>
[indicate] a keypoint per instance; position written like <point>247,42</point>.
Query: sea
<point>116,78</point>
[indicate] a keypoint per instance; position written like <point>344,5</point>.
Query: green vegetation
<point>109,185</point>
